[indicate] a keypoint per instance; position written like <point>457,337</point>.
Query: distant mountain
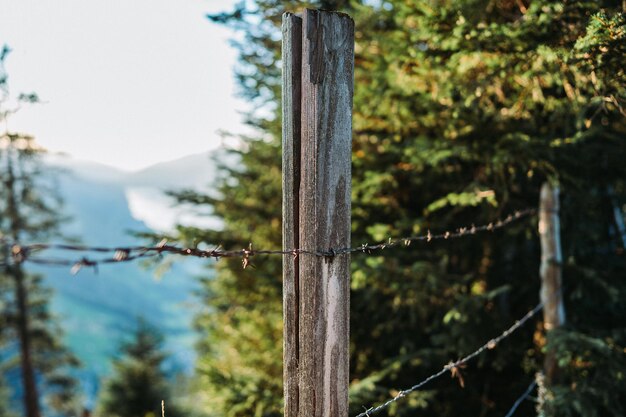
<point>99,307</point>
<point>193,171</point>
<point>87,170</point>
<point>145,190</point>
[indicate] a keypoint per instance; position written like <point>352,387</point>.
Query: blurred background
<point>126,123</point>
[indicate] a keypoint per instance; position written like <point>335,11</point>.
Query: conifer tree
<point>29,211</point>
<point>461,110</point>
<point>138,384</point>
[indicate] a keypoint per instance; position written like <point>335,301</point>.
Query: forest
<point>462,110</point>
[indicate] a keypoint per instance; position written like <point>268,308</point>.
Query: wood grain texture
<point>550,269</point>
<point>325,187</point>
<point>292,64</point>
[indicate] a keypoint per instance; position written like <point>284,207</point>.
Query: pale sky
<point>126,83</point>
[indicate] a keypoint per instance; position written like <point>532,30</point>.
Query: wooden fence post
<point>550,270</point>
<point>318,61</point>
<point>292,63</point>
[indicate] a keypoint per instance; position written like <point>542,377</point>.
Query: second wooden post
<point>550,270</point>
<point>318,61</point>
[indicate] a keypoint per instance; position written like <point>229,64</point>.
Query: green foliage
<point>138,384</point>
<point>594,361</point>
<point>240,359</point>
<point>461,110</point>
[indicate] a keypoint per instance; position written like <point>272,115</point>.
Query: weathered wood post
<point>318,61</point>
<point>550,270</point>
<point>291,97</point>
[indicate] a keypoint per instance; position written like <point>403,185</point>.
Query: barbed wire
<point>453,367</point>
<point>76,266</point>
<point>525,395</point>
<point>24,252</point>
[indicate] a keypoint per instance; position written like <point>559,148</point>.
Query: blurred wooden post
<point>550,270</point>
<point>318,61</point>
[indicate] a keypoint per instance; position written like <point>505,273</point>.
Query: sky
<point>123,83</point>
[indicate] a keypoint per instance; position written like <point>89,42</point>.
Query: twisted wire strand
<point>25,252</point>
<point>491,344</point>
<point>525,395</point>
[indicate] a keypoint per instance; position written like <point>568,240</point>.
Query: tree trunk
<point>31,399</point>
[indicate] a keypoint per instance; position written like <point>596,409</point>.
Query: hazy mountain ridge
<point>99,307</point>
<point>146,189</point>
<point>192,171</point>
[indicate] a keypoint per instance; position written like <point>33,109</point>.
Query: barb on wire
<point>454,366</point>
<point>77,265</point>
<point>525,395</point>
<point>23,253</point>
<point>428,237</point>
